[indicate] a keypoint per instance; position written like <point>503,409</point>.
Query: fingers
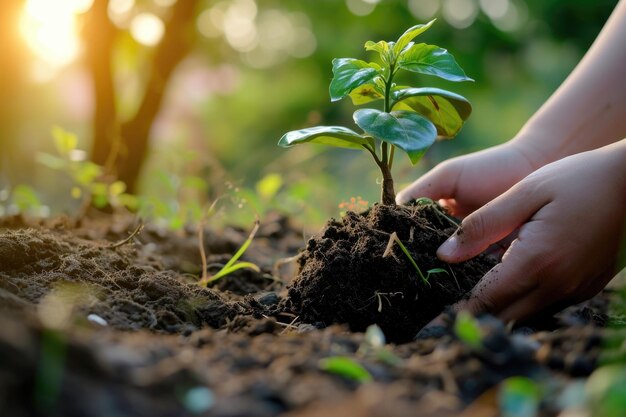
<point>492,223</point>
<point>510,287</point>
<point>439,183</point>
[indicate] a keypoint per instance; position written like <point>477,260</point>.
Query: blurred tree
<point>121,146</point>
<point>12,80</point>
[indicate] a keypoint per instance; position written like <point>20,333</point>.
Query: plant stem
<point>388,196</point>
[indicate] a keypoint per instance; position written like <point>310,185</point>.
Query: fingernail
<point>447,249</point>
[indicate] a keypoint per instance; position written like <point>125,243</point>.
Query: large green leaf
<point>432,60</point>
<point>446,110</point>
<point>365,93</point>
<point>337,136</point>
<point>409,35</point>
<point>405,129</point>
<point>349,73</point>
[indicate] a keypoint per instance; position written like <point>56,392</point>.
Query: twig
<point>202,251</point>
<point>135,232</point>
<point>204,277</point>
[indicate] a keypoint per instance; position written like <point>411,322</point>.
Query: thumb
<point>440,182</point>
<point>492,223</point>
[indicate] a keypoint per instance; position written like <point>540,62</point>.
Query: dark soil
<point>345,277</point>
<point>91,328</point>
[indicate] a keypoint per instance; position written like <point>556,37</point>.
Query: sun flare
<point>50,29</point>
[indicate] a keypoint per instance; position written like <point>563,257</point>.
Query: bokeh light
<point>424,9</point>
<point>50,30</point>
<point>460,13</point>
<point>147,29</point>
<point>263,39</point>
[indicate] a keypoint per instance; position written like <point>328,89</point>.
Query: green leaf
<point>383,48</point>
<point>409,35</point>
<point>405,129</point>
<point>432,60</point>
<point>129,201</point>
<point>197,183</point>
<point>345,367</point>
<point>348,74</point>
<point>64,141</point>
<point>51,161</point>
<point>446,110</point>
<point>338,136</point>
<point>467,329</point>
<point>519,396</point>
<point>268,186</point>
<point>117,188</point>
<point>365,94</point>
<point>25,198</point>
<point>87,172</point>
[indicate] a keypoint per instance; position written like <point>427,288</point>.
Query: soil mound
<point>345,278</point>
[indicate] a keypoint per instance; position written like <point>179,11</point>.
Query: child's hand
<point>568,218</point>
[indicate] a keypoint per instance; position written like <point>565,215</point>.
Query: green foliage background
<point>226,134</point>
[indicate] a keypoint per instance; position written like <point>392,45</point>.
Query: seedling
<point>232,265</point>
<point>410,119</point>
<point>374,345</point>
<point>393,238</point>
<point>467,329</point>
<point>519,396</point>
<point>88,179</point>
<point>346,367</point>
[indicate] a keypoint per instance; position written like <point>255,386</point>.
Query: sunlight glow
<point>147,29</point>
<point>50,31</point>
<point>120,12</point>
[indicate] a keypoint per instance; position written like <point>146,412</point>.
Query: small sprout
<point>268,186</point>
<point>374,345</point>
<point>232,265</point>
<point>519,396</point>
<point>345,367</point>
<point>393,238</point>
<point>26,199</point>
<point>374,337</point>
<point>467,329</point>
<point>88,177</point>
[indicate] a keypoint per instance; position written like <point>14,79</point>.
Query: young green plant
<point>410,118</point>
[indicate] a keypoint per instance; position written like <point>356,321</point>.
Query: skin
<point>554,196</point>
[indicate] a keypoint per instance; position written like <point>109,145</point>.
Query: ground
<point>94,324</point>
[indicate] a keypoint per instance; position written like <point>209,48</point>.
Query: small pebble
<point>94,318</point>
<point>198,400</point>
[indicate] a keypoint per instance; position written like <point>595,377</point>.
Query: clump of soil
<point>344,277</point>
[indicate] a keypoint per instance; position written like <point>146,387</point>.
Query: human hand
<point>569,217</point>
<point>466,183</point>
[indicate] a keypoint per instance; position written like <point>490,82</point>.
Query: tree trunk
<point>175,45</point>
<point>15,166</point>
<point>99,34</point>
<point>122,147</point>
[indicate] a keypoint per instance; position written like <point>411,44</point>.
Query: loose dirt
<point>87,329</point>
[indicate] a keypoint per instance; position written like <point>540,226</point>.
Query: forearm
<point>588,110</point>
